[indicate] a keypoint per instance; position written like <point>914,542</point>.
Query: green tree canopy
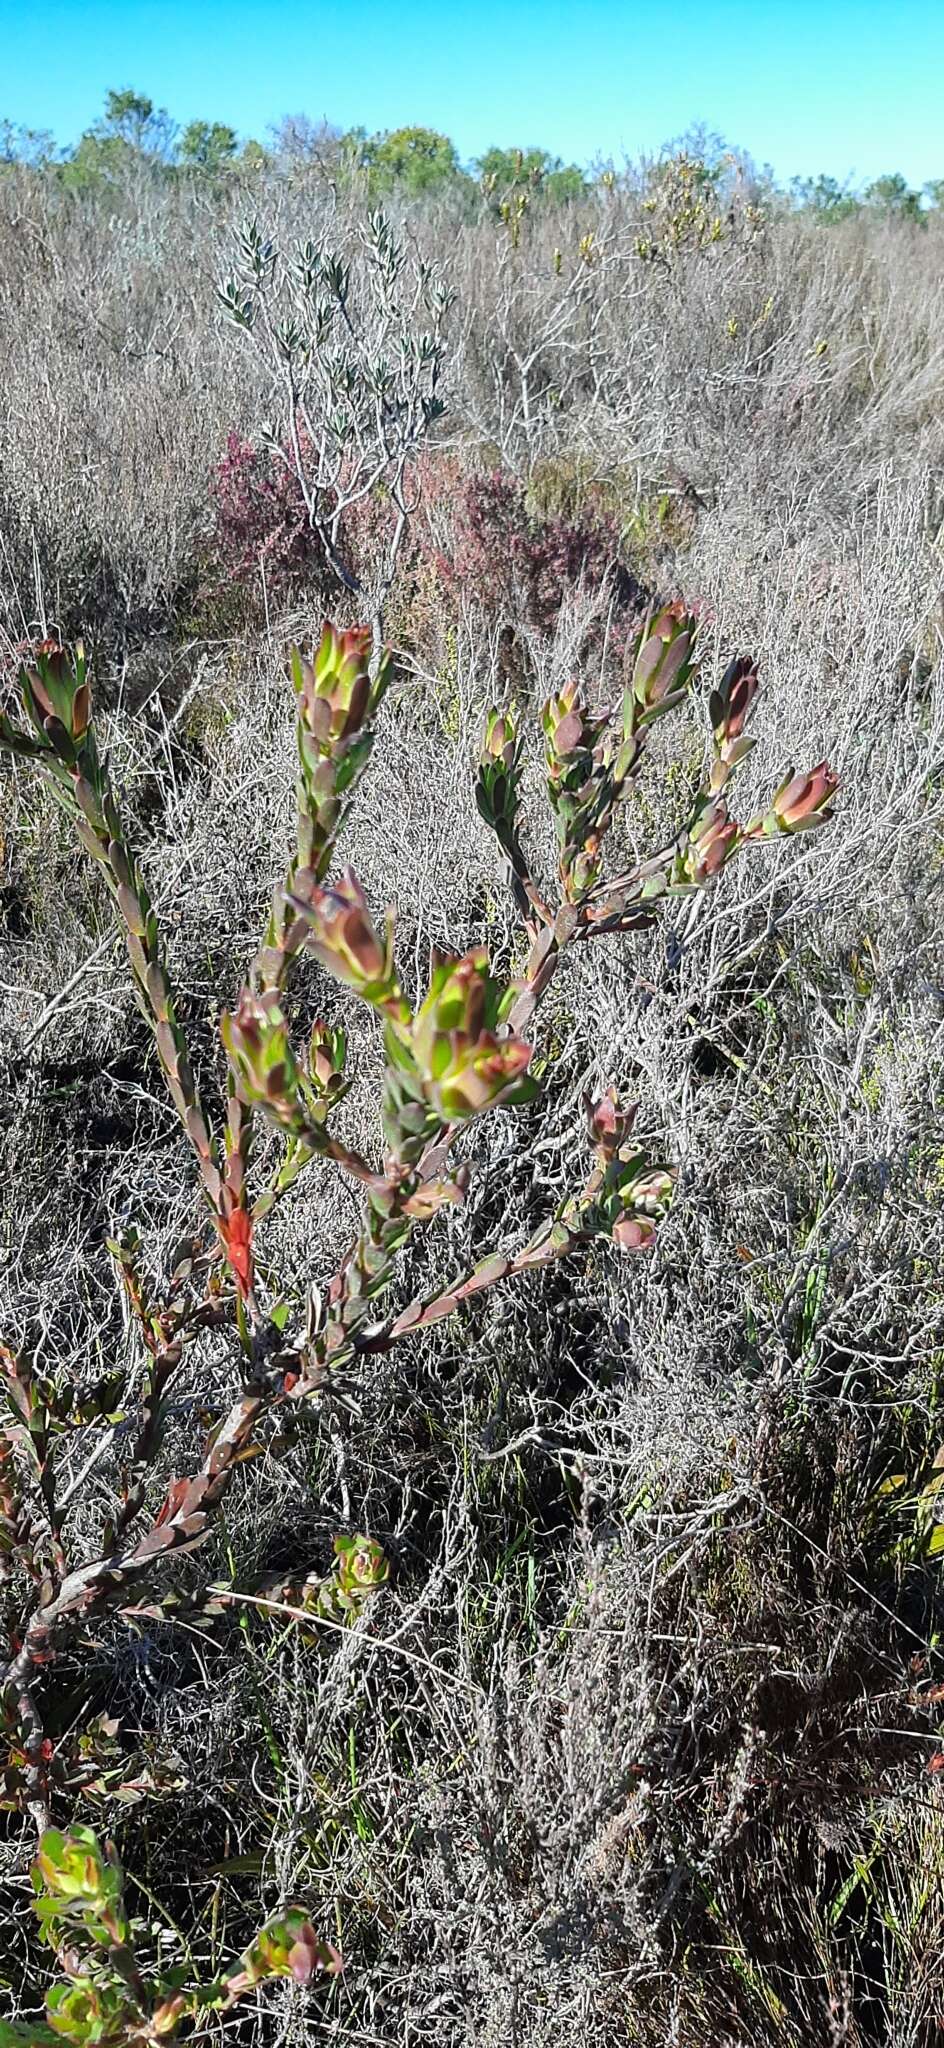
<point>133,118</point>
<point>208,145</point>
<point>824,196</point>
<point>130,131</point>
<point>892,194</point>
<point>417,159</point>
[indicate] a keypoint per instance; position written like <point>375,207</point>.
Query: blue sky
<point>814,85</point>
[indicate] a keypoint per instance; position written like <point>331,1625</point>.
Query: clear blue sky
<point>806,85</point>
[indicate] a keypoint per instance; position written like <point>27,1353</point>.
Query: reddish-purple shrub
<point>261,536</point>
<point>474,532</point>
<point>505,552</point>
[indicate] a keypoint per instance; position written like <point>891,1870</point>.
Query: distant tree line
<point>890,194</point>
<point>132,133</point>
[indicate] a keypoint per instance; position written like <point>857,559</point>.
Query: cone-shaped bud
<point>56,694</point>
<point>663,664</point>
<point>584,866</point>
<point>714,839</point>
<point>626,1193</point>
<point>649,1191</point>
<point>634,1233</point>
<point>255,1035</point>
<point>286,1947</point>
<point>802,802</point>
<point>479,1076</point>
<point>501,740</point>
<point>729,704</point>
<point>464,1066</point>
<point>335,691</point>
<point>644,1196</point>
<point>361,1565</point>
<point>73,1869</point>
<point>462,999</point>
<point>609,1124</point>
<point>496,786</point>
<point>710,841</point>
<point>343,937</point>
<point>567,728</point>
<point>326,1055</point>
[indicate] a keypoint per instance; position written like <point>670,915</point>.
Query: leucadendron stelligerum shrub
<point>464,1048</point>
